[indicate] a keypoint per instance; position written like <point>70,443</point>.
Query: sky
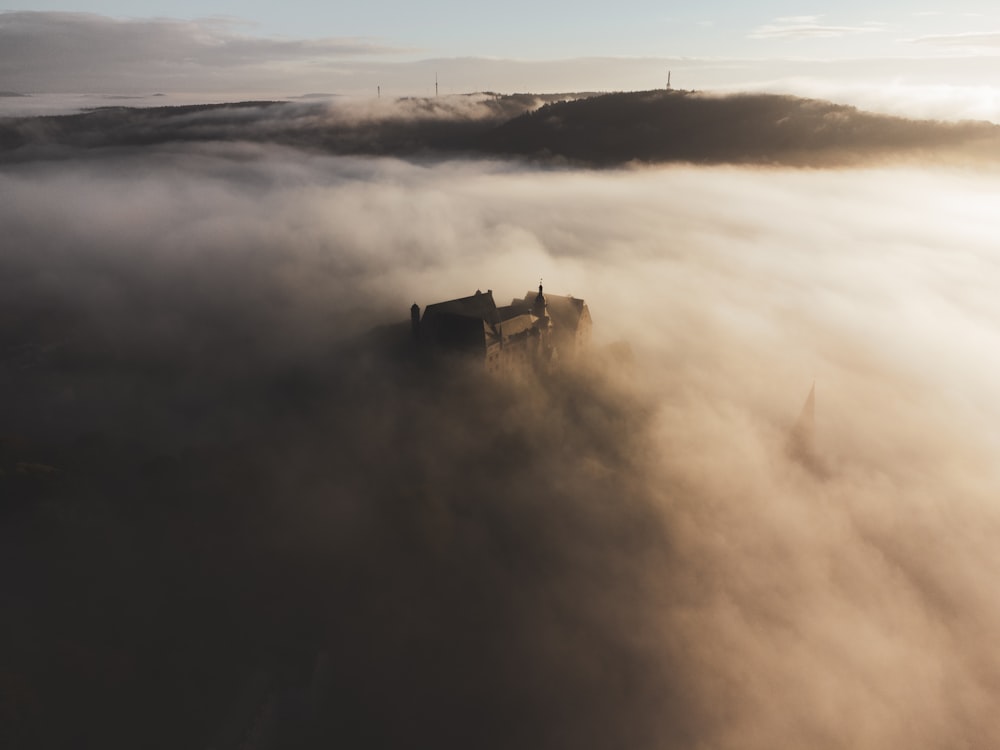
<point>563,29</point>
<point>928,60</point>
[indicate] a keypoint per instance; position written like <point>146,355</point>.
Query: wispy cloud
<point>806,27</point>
<point>971,39</point>
<point>52,50</point>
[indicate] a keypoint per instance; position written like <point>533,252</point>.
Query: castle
<point>532,331</point>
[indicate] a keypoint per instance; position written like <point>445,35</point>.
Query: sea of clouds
<point>622,553</point>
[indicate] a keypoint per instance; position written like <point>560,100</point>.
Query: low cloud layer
<point>224,504</point>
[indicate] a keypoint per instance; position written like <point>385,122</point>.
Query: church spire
<point>538,309</point>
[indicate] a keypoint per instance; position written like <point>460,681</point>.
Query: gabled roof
<point>515,324</point>
<point>475,322</point>
<point>459,332</point>
<point>468,323</point>
<point>565,312</point>
<point>479,305</point>
<point>515,308</point>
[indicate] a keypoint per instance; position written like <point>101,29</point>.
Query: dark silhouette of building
<point>569,322</point>
<point>533,331</point>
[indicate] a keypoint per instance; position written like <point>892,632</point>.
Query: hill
<point>669,126</point>
<point>600,130</point>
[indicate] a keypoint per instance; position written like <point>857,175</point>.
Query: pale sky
<point>858,51</point>
<point>583,28</point>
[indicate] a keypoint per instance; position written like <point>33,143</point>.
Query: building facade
<point>534,331</point>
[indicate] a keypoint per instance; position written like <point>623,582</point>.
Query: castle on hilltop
<point>532,331</point>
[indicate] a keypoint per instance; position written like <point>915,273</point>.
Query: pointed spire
<point>539,308</point>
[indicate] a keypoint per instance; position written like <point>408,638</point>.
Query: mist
<point>609,130</point>
<point>217,485</point>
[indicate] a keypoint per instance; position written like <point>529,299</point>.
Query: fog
<point>215,480</point>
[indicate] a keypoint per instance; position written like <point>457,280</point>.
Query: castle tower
<point>415,320</point>
<point>540,310</point>
<point>543,328</point>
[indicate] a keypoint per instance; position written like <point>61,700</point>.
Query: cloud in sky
<point>620,555</point>
<point>797,27</point>
<point>44,54</point>
<point>971,40</point>
<point>87,52</point>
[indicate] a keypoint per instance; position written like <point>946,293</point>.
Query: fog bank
<point>212,473</point>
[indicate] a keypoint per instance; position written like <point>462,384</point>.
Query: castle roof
<point>565,312</point>
<point>464,323</point>
<point>479,305</point>
<point>476,324</point>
